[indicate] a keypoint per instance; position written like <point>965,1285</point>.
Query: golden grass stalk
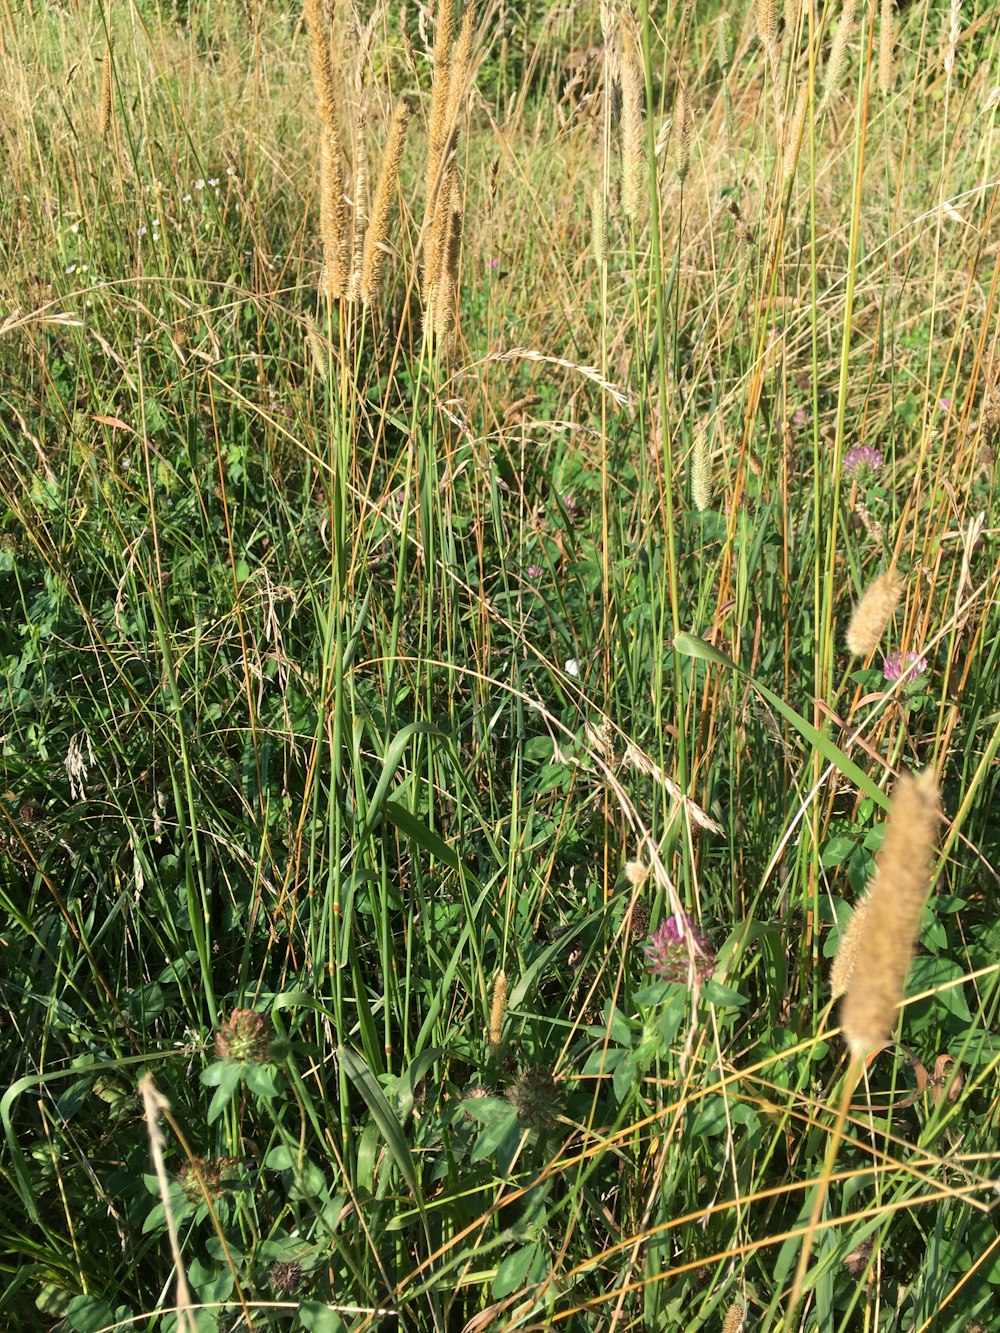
<point>886,48</point>
<point>871,615</point>
<point>378,226</point>
<point>888,933</point>
<point>701,475</point>
<point>335,228</point>
<point>498,1008</point>
<point>324,87</point>
<point>838,52</point>
<point>682,121</point>
<point>107,108</point>
<point>634,165</point>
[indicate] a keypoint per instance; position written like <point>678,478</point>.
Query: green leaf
<point>626,1077</point>
<point>319,1318</point>
<point>263,1080</point>
<point>87,1314</point>
<point>689,645</point>
<point>837,850</point>
<point>513,1271</point>
<point>417,831</point>
<point>382,1113</point>
<point>723,997</point>
<point>496,1137</point>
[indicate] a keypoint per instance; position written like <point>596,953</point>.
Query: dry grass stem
<point>891,922</point>
<point>871,615</point>
<point>378,227</point>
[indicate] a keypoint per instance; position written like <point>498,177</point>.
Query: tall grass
<point>439,759</point>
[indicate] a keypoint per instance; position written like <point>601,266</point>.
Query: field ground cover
<point>444,730</point>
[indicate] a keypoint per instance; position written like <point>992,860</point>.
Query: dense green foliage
<point>341,674</point>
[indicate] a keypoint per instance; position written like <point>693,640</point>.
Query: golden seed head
<point>498,1008</point>
<point>871,615</point>
<point>887,935</point>
<point>107,107</point>
<point>838,52</point>
<point>632,140</point>
<point>682,120</point>
<point>886,48</point>
<point>378,226</point>
<point>598,225</point>
<point>701,474</point>
<point>733,1321</point>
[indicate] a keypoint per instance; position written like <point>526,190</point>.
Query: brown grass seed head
<point>871,615</point>
<point>886,943</point>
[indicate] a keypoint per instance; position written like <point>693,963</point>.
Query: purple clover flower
<point>862,461</point>
<point>903,666</point>
<point>667,951</point>
<point>534,571</point>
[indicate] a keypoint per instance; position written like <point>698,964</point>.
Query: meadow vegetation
<point>500,526</point>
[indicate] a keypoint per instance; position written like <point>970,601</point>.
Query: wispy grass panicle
<point>633,146</point>
<point>106,113</point>
<point>376,237</point>
<point>887,935</point>
<point>871,615</point>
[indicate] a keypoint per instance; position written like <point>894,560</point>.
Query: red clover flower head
<point>862,462</point>
<point>903,666</point>
<point>668,955</point>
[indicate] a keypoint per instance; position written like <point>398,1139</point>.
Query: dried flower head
<point>891,924</point>
<point>903,666</point>
<point>857,1261</point>
<point>245,1038</point>
<point>636,873</point>
<point>207,1177</point>
<point>862,462</point>
<point>871,615</point>
<point>285,1278</point>
<point>734,1320</point>
<point>669,956</point>
<point>536,1096</point>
